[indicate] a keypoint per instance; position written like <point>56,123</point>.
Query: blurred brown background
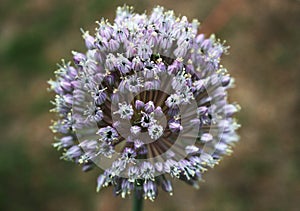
<point>262,174</point>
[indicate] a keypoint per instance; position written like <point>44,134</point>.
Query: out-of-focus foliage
<point>263,174</point>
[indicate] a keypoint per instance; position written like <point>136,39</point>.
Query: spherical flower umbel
<point>147,103</point>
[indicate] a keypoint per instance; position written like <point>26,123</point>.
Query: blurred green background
<point>262,174</point>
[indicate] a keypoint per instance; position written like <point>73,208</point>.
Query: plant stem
<point>137,204</point>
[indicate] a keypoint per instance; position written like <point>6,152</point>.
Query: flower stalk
<point>138,202</point>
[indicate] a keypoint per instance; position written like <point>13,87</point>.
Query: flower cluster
<point>146,103</point>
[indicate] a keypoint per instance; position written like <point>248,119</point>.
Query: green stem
<point>137,202</point>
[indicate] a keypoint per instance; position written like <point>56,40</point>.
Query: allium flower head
<point>147,103</point>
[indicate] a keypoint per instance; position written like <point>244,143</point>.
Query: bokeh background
<point>262,174</point>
